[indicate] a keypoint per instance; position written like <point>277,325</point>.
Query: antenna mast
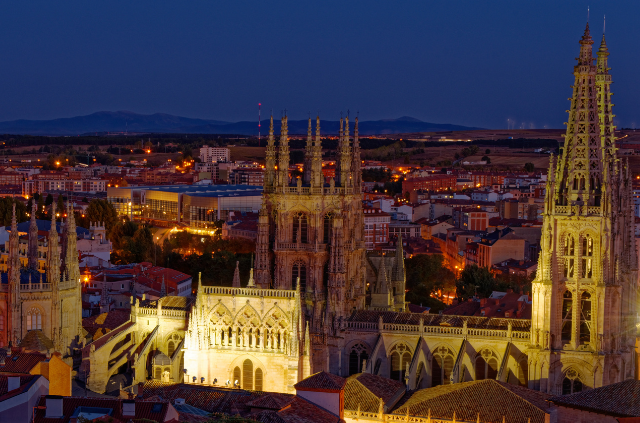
<point>259,104</point>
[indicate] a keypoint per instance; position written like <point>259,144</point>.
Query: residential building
<point>214,154</point>
<point>376,227</point>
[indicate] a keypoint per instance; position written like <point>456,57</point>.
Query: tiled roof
<point>36,341</point>
<point>618,399</point>
<point>491,399</point>
<point>372,316</point>
<point>271,401</point>
<point>237,401</point>
<point>150,410</point>
<point>171,302</point>
<point>364,390</point>
<point>22,362</point>
<point>322,380</point>
<point>105,321</point>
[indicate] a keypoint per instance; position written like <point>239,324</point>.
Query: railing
<point>368,416</point>
<point>309,190</point>
<point>562,209</point>
<point>253,292</point>
<point>438,330</point>
<point>35,287</point>
<point>362,325</point>
<point>300,246</point>
<point>173,313</point>
<point>593,210</point>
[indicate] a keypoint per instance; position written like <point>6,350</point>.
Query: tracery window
<point>486,365</point>
<point>174,341</point>
<point>571,382</point>
<point>567,304</point>
<point>585,318</point>
<point>300,228</point>
<point>357,354</point>
<point>442,366</point>
<point>569,252</point>
<point>299,270</point>
<point>327,228</point>
<point>587,254</point>
<point>34,319</point>
<point>400,358</point>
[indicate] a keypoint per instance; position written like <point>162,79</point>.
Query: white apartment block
<point>214,154</point>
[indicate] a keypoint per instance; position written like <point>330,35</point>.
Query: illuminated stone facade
<point>585,291</point>
<point>319,302</point>
<point>41,298</point>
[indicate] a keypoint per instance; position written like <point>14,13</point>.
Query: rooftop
<point>618,399</point>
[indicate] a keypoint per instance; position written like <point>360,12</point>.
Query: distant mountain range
<point>122,121</point>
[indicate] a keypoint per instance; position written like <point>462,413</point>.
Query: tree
<point>486,159</point>
<point>427,274</point>
<point>474,279</point>
<point>487,151</point>
<point>60,204</point>
<point>49,200</point>
<point>529,167</point>
<point>6,211</point>
<point>101,211</point>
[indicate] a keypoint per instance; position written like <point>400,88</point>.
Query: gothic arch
<point>247,315</point>
<point>34,316</point>
<point>486,363</point>
<point>559,369</point>
<point>218,312</point>
<point>258,369</point>
<point>354,353</point>
<point>276,310</point>
<point>399,356</point>
<point>442,361</point>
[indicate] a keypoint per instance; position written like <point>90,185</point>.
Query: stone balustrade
<point>249,292</point>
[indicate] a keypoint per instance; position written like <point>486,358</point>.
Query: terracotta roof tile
<point>379,386</point>
<point>36,341</point>
<point>491,399</point>
<point>322,380</point>
<point>618,399</point>
<point>22,362</point>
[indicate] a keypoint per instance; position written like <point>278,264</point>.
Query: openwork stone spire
<point>283,154</point>
<point>580,172</point>
<point>270,161</point>
<point>33,238</point>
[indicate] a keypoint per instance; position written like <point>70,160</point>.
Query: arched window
<point>486,365</point>
<point>247,374</point>
<point>571,383</point>
<point>613,375</point>
<point>327,228</point>
<point>567,304</point>
<point>174,341</point>
<point>400,357</point>
<point>237,375</point>
<point>356,356</point>
<point>585,318</point>
<point>300,228</point>
<point>34,319</point>
<point>442,366</point>
<point>587,254</point>
<point>170,348</point>
<point>299,270</point>
<point>258,379</point>
<point>569,252</point>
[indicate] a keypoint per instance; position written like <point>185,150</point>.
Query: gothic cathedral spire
<point>32,255</point>
<point>584,293</point>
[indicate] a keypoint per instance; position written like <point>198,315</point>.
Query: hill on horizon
<point>124,121</point>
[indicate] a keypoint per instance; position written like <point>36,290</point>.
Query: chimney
<point>140,389</point>
<point>13,382</point>
<point>53,407</point>
<point>128,408</point>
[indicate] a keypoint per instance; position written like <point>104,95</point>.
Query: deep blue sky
<point>465,62</point>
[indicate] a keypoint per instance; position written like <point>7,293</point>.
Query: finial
<point>604,24</point>
<point>587,15</point>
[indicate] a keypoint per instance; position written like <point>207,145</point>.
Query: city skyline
<point>468,65</point>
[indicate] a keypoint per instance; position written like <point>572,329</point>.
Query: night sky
<point>464,62</point>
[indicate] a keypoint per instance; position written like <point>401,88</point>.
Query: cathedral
<point>316,300</point>
<point>42,305</point>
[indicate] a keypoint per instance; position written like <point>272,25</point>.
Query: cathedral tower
<point>583,329</point>
<point>308,229</point>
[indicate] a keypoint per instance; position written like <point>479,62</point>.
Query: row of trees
<point>427,276</point>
